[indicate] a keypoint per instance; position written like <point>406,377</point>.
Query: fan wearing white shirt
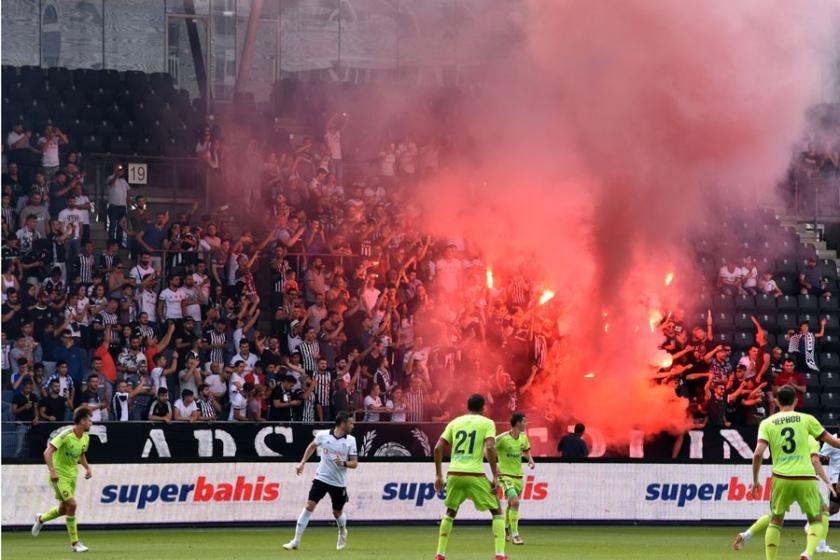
<point>338,453</point>
<point>729,279</point>
<point>169,304</point>
<point>185,408</point>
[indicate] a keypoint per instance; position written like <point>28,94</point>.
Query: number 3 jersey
<point>787,434</point>
<point>467,434</point>
<point>331,448</point>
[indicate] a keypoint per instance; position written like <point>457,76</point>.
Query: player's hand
<point>495,482</point>
<point>54,476</point>
<point>299,469</point>
<point>88,473</point>
<point>339,461</point>
<point>756,490</point>
<point>531,465</point>
<point>439,484</point>
<point>832,490</point>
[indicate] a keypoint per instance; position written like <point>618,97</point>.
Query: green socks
<point>50,515</point>
<point>445,529</point>
<point>815,532</point>
<point>772,538</point>
<point>74,534</point>
<point>513,517</point>
<point>498,534</point>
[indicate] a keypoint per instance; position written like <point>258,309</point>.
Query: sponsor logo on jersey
<point>202,491</point>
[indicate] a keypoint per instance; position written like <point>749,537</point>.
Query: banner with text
<point>266,492</point>
<point>132,442</point>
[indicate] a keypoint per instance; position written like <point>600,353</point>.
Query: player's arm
<point>310,449</point>
<point>818,468</point>
<point>442,443</point>
<point>492,458</point>
<point>527,454</point>
<point>351,463</point>
<point>758,458</point>
<point>84,462</point>
<point>48,459</point>
<point>829,439</point>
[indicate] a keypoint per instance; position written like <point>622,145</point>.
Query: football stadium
<point>420,279</point>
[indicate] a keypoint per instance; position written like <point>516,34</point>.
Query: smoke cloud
<point>603,133</point>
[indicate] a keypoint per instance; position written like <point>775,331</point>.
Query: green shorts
<point>784,492</point>
<point>64,488</point>
<point>512,486</point>
<point>476,488</point>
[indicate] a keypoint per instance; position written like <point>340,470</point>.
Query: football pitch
<point>404,543</point>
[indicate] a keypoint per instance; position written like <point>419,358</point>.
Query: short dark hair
<point>788,359</point>
<point>290,378</point>
<point>475,403</point>
<point>80,414</point>
<point>201,387</point>
<point>787,395</point>
<point>92,375</point>
<point>342,417</point>
<point>163,391</point>
<point>516,418</point>
<point>186,393</point>
<point>579,428</point>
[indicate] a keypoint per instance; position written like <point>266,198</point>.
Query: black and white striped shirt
<point>309,354</point>
<point>119,404</point>
<point>415,400</point>
<point>87,264</point>
<point>309,409</point>
<point>206,409</point>
<point>216,354</point>
<point>323,387</point>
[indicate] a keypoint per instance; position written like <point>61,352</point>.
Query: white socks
<point>302,522</point>
<point>341,521</point>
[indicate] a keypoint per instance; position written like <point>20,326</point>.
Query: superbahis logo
<point>421,492</point>
<point>201,491</point>
<point>683,493</point>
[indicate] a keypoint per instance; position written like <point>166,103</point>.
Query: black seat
<point>767,321</point>
<point>786,265</point>
<point>723,321</point>
<point>830,401</point>
<point>744,302</point>
<point>830,380</point>
<point>743,340</point>
<point>829,361</point>
<point>811,401</point>
<point>828,268</point>
<point>832,322</point>
<point>807,302</point>
<point>787,303</point>
<point>811,318</point>
<point>829,343</point>
<point>787,283</point>
<point>119,145</point>
<point>829,304</point>
<point>93,143</point>
<point>147,147</point>
<point>765,302</point>
<point>743,321</point>
<point>786,321</point>
<point>723,337</point>
<point>829,420</point>
<point>174,148</point>
<point>812,381</point>
<point>723,302</point>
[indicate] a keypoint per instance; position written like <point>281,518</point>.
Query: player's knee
<point>337,513</point>
<point>452,513</point>
<point>778,521</point>
<point>514,502</point>
<point>71,507</point>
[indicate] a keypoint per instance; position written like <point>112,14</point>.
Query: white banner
<point>266,492</point>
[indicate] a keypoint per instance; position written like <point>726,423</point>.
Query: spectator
<point>161,410</point>
<point>399,407</point>
<point>117,202</point>
<point>810,279</point>
<point>186,410</point>
<point>255,403</point>
<point>239,403</point>
<point>321,387</point>
<point>92,398</point>
<point>54,407</point>
<point>374,405</point>
<point>730,278</point>
<point>208,406</point>
<point>789,376</point>
<point>766,285</point>
<point>66,387</point>
<point>25,403</point>
<point>572,445</point>
<point>802,346</point>
<point>749,275</point>
<point>161,372</point>
<point>286,401</point>
<point>48,144</point>
<point>123,399</point>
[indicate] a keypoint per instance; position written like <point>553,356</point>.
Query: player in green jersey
<point>762,522</point>
<point>63,455</point>
<point>794,477</point>
<point>472,436</point>
<point>511,447</point>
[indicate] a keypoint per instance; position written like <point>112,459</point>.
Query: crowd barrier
<point>271,493</point>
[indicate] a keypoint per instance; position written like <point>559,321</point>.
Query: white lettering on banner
<point>263,450</point>
<point>205,442</point>
<point>157,440</point>
<point>695,450</point>
<point>734,438</point>
<point>250,492</point>
<point>228,445</point>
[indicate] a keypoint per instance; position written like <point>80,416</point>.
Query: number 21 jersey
<point>467,434</point>
<point>787,434</point>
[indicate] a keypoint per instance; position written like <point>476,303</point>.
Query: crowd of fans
<point>330,300</point>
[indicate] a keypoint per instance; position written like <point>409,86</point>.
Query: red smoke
<point>604,131</point>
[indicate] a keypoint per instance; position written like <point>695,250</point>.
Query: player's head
<point>518,421</point>
<point>787,396</point>
<point>83,417</point>
<point>475,403</point>
<point>345,421</point>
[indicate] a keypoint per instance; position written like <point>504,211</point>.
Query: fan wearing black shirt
<point>53,407</point>
<point>25,403</point>
<point>286,401</point>
<point>12,314</point>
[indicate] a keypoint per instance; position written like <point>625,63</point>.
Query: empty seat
<point>767,321</point>
<point>830,380</point>
<point>806,251</point>
<point>828,304</point>
<point>828,268</point>
<point>832,322</point>
<point>93,143</point>
<point>786,265</point>
<point>723,302</point>
<point>174,148</point>
<point>742,340</point>
<point>829,361</point>
<point>787,303</point>
<point>765,302</point>
<point>787,283</point>
<point>829,343</point>
<point>119,145</point>
<point>743,321</point>
<point>723,320</point>
<point>807,302</point>
<point>723,337</point>
<point>785,322</point>
<point>744,302</point>
<point>830,401</point>
<point>812,381</point>
<point>829,420</point>
<point>147,147</point>
<point>810,401</point>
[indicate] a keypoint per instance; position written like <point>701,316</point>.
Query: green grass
<point>402,543</point>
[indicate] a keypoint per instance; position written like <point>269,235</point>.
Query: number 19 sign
<point>138,173</point>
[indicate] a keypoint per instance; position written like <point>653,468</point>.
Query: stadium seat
<point>723,321</point>
<point>147,147</point>
<point>830,401</point>
<point>742,340</point>
<point>828,268</point>
<point>703,299</point>
<point>743,321</point>
<point>785,322</point>
<point>765,302</point>
<point>829,361</point>
<point>93,143</point>
<point>767,321</point>
<point>829,420</point>
<point>829,343</point>
<point>787,283</point>
<point>829,304</point>
<point>832,322</point>
<point>787,303</point>
<point>830,380</point>
<point>174,148</point>
<point>771,340</point>
<point>808,251</point>
<point>811,401</point>
<point>811,318</point>
<point>807,302</point>
<point>119,145</point>
<point>812,381</point>
<point>744,302</point>
<point>723,302</point>
<point>785,265</point>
